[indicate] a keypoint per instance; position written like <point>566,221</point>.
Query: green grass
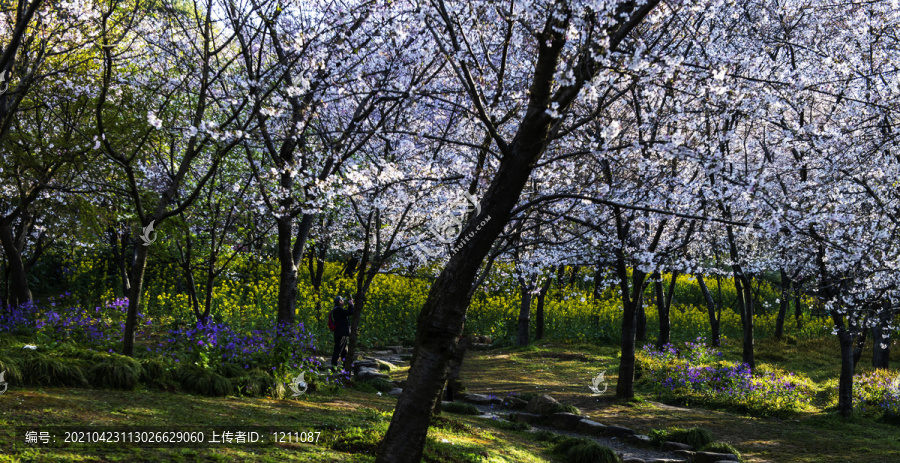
<point>350,422</point>
<point>565,372</point>
<point>460,408</point>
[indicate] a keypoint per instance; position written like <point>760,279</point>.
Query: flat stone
<point>712,457</point>
<point>395,349</point>
<point>478,399</point>
<point>565,421</point>
<point>633,460</point>
<point>676,446</point>
<point>524,417</point>
<point>639,439</point>
<point>395,392</point>
<point>664,460</point>
<point>542,405</point>
<point>618,431</point>
<point>686,454</point>
<point>407,350</point>
<point>382,353</point>
<point>590,427</point>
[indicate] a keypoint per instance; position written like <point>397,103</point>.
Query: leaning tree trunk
<point>19,292</point>
<point>441,319</point>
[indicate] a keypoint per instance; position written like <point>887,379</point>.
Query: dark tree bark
<point>640,323</point>
<point>712,308</point>
<point>18,290</point>
<point>663,307</point>
<point>525,287</point>
<point>881,338</point>
<point>798,311</point>
<point>784,303</point>
<point>440,321</point>
<point>539,310</point>
<point>744,290</point>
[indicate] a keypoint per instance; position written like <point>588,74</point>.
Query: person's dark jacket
<point>341,317</point>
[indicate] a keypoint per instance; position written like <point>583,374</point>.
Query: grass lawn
<point>350,423</point>
<point>565,372</point>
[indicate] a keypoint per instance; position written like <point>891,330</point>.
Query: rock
<point>382,353</point>
<point>590,427</point>
<point>686,454</point>
<point>664,460</point>
<point>395,392</point>
<point>676,446</point>
<point>711,457</point>
<point>401,384</point>
<point>542,405</point>
<point>564,421</point>
<point>618,431</point>
<point>395,349</point>
<point>364,364</point>
<point>405,357</point>
<point>407,350</point>
<point>639,439</point>
<point>633,460</point>
<point>487,340</point>
<point>480,346</point>
<point>370,373</point>
<point>514,403</point>
<point>478,399</point>
<point>524,417</point>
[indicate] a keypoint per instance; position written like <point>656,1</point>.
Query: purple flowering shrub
<point>698,374</point>
<point>877,392</point>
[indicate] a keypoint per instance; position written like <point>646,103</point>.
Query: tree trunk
<point>784,302</point>
<point>845,386</point>
<point>441,319</point>
<point>137,284</point>
<point>663,307</point>
<point>523,337</point>
<point>19,292</point>
<point>881,338</point>
<point>539,311</point>
<point>798,312</point>
<point>711,309</point>
<point>640,321</point>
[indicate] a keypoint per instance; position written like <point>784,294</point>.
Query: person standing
<point>340,315</point>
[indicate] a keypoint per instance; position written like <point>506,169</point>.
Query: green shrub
<point>201,381</point>
<point>155,371</point>
<point>11,366</point>
<point>721,447</point>
<point>567,408</point>
<point>527,396</point>
<point>375,384</point>
<point>254,383</point>
<point>460,408</point>
<point>229,370</point>
<point>114,372</point>
<point>40,369</point>
<point>592,453</point>
<point>512,425</point>
<point>566,444</point>
<point>695,437</point>
<point>547,436</point>
<point>357,440</point>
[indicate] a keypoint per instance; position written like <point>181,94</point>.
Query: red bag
<point>331,325</point>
